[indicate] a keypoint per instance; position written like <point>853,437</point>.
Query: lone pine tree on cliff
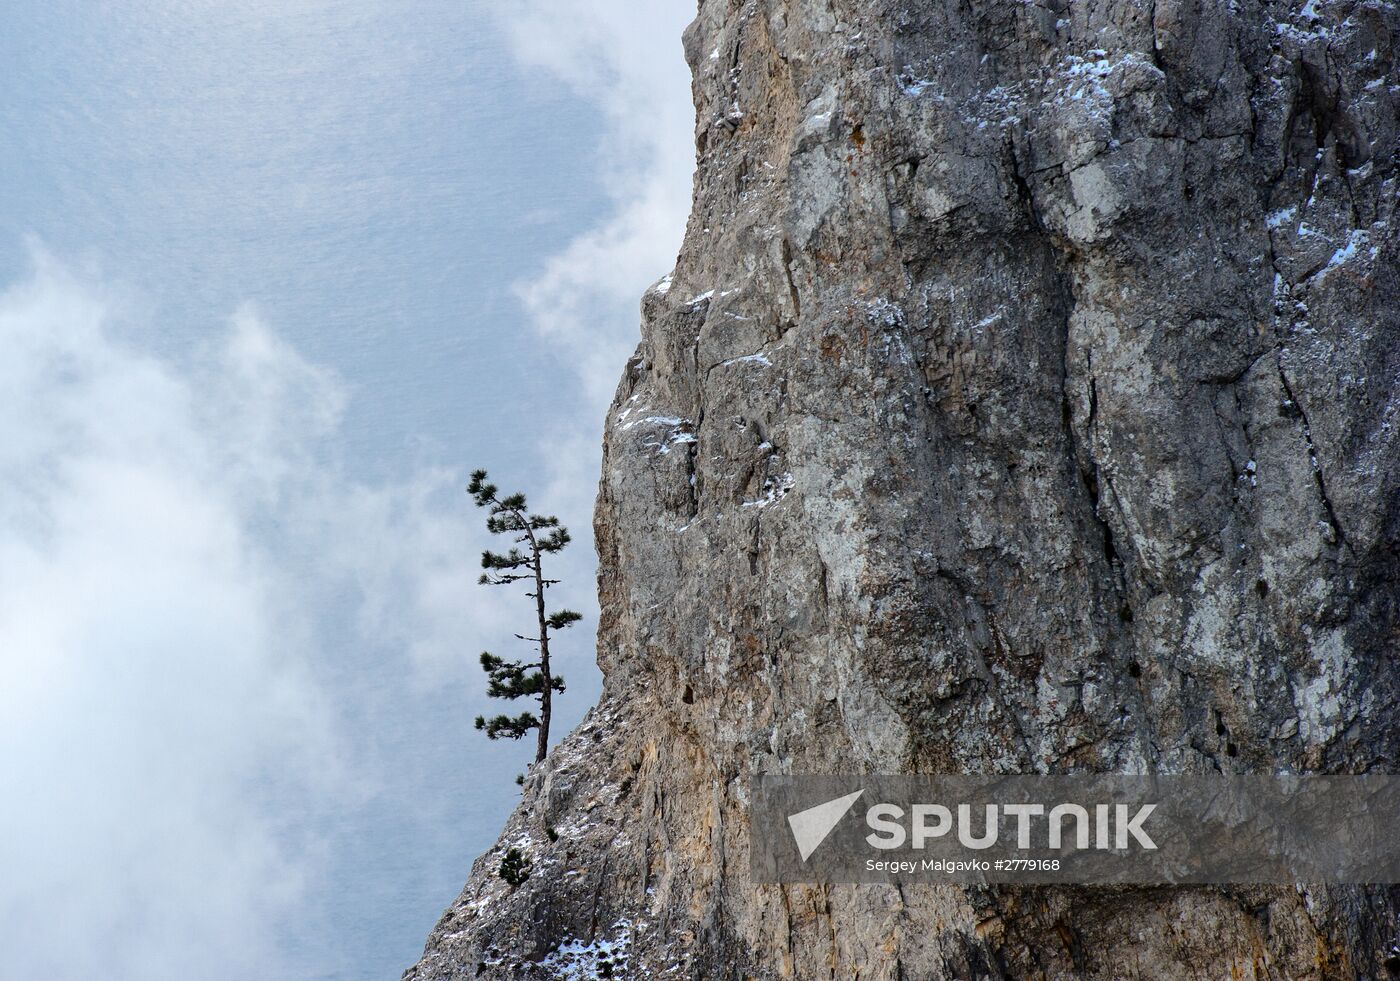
<point>540,535</point>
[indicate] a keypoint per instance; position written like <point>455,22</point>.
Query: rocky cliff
<point>1024,398</point>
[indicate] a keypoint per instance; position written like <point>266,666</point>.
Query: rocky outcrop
<point>1024,399</point>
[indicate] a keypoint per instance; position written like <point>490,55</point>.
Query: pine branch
<point>504,727</point>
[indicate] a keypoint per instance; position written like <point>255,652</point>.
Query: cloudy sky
<point>273,278</point>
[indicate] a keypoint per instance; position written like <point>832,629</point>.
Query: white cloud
<point>181,550</point>
<point>176,543</point>
<point>625,59</point>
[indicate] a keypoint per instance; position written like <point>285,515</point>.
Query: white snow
<point>671,440</point>
<point>1300,36</point>
<point>758,359</point>
<point>1251,473</point>
<point>1282,217</point>
<point>775,489</point>
<point>579,961</point>
<point>1354,241</point>
<point>655,421</point>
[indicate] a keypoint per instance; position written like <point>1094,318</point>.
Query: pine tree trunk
<point>542,747</point>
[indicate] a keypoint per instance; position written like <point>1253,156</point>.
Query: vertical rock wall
<point>1024,398</point>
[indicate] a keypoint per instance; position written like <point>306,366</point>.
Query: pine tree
<point>514,867</point>
<point>540,535</point>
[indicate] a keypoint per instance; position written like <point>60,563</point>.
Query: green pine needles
<point>514,868</point>
<point>535,536</point>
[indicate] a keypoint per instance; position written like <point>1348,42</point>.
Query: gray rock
<point>1024,399</point>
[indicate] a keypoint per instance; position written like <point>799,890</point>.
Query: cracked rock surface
<point>1024,399</point>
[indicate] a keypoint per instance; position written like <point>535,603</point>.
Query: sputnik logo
<point>811,827</point>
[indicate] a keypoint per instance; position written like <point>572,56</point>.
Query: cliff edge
<point>1024,399</point>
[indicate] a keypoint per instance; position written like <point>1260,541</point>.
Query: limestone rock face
<point>1024,398</point>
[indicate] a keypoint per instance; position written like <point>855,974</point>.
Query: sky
<point>274,278</point>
